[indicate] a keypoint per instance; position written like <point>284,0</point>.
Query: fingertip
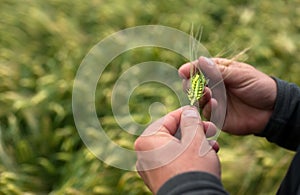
<point>215,145</point>
<point>209,128</point>
<point>184,71</point>
<point>206,61</point>
<point>181,74</point>
<point>191,124</point>
<point>214,103</point>
<point>208,90</point>
<point>190,112</point>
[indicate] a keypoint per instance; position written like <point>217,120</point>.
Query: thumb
<point>191,125</point>
<point>211,70</point>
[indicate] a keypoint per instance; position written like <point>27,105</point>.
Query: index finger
<point>167,124</point>
<point>208,68</point>
<point>202,63</point>
<point>184,70</point>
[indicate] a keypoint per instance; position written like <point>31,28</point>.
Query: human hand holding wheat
<point>158,143</point>
<point>251,96</point>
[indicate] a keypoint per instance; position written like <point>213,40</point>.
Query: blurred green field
<point>43,44</point>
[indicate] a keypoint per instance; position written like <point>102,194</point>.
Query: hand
<point>251,95</point>
<point>161,156</point>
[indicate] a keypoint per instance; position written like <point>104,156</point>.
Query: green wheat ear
<point>197,78</point>
<point>197,85</point>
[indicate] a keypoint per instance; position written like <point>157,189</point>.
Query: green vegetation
<point>42,45</point>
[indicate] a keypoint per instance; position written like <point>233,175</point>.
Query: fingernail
<point>209,61</point>
<point>191,113</point>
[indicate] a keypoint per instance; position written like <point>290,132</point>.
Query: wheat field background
<point>42,46</point>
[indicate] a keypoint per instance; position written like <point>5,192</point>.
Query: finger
<point>167,124</point>
<point>209,128</point>
<point>205,98</point>
<point>202,62</point>
<point>208,67</point>
<point>184,70</point>
<point>215,145</point>
<point>171,122</point>
<point>207,109</point>
<point>191,125</point>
